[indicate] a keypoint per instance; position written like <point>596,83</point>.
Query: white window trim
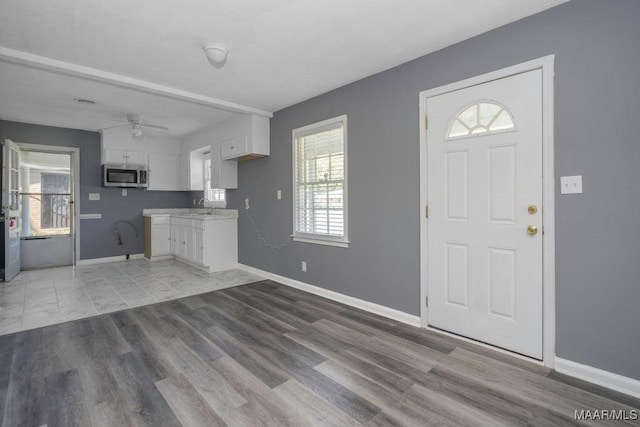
<point>320,239</point>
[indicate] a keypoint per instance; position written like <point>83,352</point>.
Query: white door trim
<point>76,185</point>
<point>546,64</point>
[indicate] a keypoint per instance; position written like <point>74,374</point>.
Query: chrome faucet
<point>201,202</point>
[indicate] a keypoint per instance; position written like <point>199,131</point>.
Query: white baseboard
<point>607,379</point>
<point>378,309</point>
<point>108,259</point>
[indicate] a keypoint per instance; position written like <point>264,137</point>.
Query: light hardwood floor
<point>266,354</point>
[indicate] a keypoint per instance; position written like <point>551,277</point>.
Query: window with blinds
<point>214,197</point>
<point>320,182</point>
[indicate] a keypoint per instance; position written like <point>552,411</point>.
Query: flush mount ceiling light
<point>216,53</point>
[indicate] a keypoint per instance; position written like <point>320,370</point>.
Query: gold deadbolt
<point>532,230</point>
<point>532,209</point>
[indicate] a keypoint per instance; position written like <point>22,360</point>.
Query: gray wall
<point>96,237</point>
<point>597,98</point>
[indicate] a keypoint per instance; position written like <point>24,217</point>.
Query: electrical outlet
<point>304,266</point>
<point>246,203</point>
<point>571,184</point>
<point>124,192</point>
<point>279,194</point>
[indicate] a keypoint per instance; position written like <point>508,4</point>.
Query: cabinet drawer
<point>234,148</point>
<point>182,222</point>
<point>160,220</point>
<point>198,224</point>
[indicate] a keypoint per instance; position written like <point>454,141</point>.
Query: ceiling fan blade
<point>116,126</point>
<point>144,125</point>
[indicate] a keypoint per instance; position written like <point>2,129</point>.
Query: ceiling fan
<point>138,129</point>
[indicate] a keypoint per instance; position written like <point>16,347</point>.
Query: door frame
<point>75,151</point>
<point>546,64</point>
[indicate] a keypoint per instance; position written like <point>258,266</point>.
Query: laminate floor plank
<point>230,306</point>
<point>187,404</point>
<point>510,408</point>
<point>338,353</point>
<point>263,369</point>
<point>263,406</point>
<point>7,345</point>
<point>311,409</point>
<point>267,354</point>
<point>145,404</point>
<point>65,400</point>
<point>104,402</point>
<point>509,379</point>
<point>398,407</point>
<point>26,398</point>
<point>262,304</point>
<point>220,395</point>
<point>206,349</point>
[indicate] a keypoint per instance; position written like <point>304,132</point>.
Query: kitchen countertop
<point>198,213</point>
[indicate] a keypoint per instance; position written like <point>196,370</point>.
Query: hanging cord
<point>117,232</point>
<point>266,245</point>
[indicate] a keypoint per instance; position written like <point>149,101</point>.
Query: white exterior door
<point>484,232</point>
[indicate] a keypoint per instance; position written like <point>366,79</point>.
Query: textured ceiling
<point>281,51</point>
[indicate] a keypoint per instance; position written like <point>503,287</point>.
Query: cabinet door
<point>234,148</point>
<point>198,246</point>
<point>124,157</point>
<point>224,173</point>
<point>175,246</point>
<point>184,171</point>
<point>163,171</point>
<point>136,158</point>
<point>196,171</point>
<point>189,243</point>
<point>178,241</point>
<point>113,155</point>
<point>160,240</point>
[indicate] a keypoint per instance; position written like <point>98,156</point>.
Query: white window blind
<point>320,185</point>
<point>215,197</point>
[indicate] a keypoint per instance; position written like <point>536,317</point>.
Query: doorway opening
<point>47,201</point>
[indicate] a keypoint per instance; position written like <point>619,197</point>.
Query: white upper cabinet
<point>252,142</point>
<point>224,173</point>
<point>163,172</point>
<point>124,157</point>
<point>191,173</point>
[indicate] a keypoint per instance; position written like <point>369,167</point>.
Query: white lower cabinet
<point>211,245</point>
<point>157,240</point>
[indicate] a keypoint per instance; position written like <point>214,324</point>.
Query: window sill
<point>336,243</point>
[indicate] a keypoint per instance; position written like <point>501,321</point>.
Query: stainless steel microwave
<point>117,175</point>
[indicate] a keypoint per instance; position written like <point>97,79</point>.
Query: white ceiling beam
<point>61,67</point>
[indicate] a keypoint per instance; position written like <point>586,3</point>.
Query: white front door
<point>484,232</point>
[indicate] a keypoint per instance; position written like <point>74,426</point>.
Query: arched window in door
<point>482,117</point>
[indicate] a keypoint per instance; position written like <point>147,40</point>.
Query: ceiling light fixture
<point>216,53</point>
<point>136,132</point>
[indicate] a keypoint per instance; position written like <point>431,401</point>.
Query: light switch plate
<point>124,192</point>
<point>279,194</point>
<point>94,196</point>
<point>571,184</point>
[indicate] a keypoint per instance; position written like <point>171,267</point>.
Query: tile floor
<point>45,297</point>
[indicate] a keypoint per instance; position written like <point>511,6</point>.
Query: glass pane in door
<point>46,194</point>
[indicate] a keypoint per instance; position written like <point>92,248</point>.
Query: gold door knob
<point>532,230</point>
<point>533,209</point>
